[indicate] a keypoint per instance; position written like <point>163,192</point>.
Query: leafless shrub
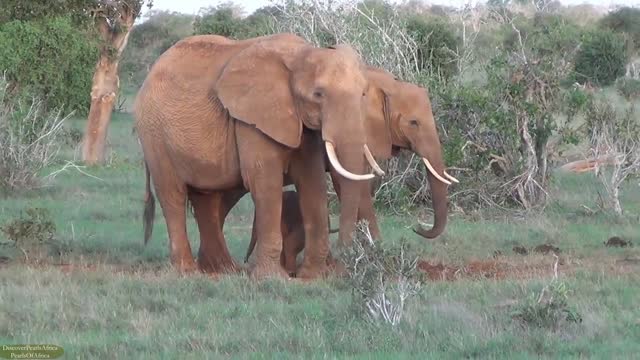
<point>615,142</point>
<point>29,140</point>
<point>382,279</point>
<point>380,38</point>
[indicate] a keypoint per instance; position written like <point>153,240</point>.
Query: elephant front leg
<point>262,164</point>
<point>308,172</point>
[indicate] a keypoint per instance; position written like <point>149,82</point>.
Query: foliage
<point>602,58</point>
<point>504,134</point>
<point>625,20</point>
<point>29,140</point>
<point>33,233</point>
<point>628,88</point>
<point>221,20</point>
<point>382,279</point>
<point>549,309</point>
<point>615,144</point>
<point>225,20</point>
<point>436,46</point>
<point>148,41</point>
<point>49,57</point>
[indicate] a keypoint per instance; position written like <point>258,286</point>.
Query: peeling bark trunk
<point>105,86</point>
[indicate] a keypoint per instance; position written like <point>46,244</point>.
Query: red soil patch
<point>489,269</point>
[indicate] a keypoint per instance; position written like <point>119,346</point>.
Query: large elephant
<point>217,116</point>
<point>398,116</point>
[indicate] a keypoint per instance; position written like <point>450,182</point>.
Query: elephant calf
<point>292,227</point>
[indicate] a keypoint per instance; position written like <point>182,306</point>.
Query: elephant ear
<point>254,88</point>
<point>379,119</point>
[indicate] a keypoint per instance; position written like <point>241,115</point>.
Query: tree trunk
<point>105,86</point>
<point>103,95</point>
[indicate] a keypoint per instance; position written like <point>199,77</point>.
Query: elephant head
<point>281,84</point>
<point>399,116</point>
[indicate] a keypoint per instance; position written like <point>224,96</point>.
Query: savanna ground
<point>115,298</point>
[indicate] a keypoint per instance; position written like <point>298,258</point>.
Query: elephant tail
<point>252,244</point>
<point>149,206</point>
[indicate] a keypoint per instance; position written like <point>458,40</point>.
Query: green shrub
<point>32,233</point>
<point>50,58</point>
<point>625,20</point>
<point>548,309</point>
<point>436,45</point>
<point>628,88</point>
<point>602,58</point>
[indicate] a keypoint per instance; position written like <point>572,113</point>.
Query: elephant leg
<point>307,170</point>
<point>172,195</point>
<point>262,163</point>
<point>367,212</point>
<point>213,256</point>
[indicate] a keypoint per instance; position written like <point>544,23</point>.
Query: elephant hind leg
<point>213,256</point>
<point>173,197</point>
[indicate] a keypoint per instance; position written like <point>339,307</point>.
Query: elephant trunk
<point>438,183</point>
<point>440,209</point>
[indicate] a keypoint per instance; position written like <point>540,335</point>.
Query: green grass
<point>149,312</point>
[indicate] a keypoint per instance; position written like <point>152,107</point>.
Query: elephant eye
<point>318,93</point>
<point>413,122</point>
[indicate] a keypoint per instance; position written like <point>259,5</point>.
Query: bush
<point>50,58</point>
<point>602,58</point>
<point>436,46</point>
<point>549,309</point>
<point>625,20</point>
<point>29,140</point>
<point>628,88</point>
<point>33,234</point>
<point>382,279</point>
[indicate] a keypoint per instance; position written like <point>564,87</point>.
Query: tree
<point>113,20</point>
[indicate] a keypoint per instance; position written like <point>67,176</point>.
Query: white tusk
<point>450,177</point>
<point>333,159</point>
<point>374,165</point>
<point>434,173</point>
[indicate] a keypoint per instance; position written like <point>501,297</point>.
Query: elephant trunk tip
<point>427,234</point>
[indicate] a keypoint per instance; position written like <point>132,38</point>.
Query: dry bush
<point>382,279</point>
<point>377,33</point>
<point>30,139</point>
<point>615,141</point>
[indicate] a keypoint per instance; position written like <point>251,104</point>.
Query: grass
<point>127,302</point>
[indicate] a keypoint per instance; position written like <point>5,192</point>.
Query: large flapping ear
<point>254,88</point>
<point>379,113</point>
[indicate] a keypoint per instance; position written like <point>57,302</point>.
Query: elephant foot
<point>312,271</point>
<point>185,266</point>
<point>336,267</point>
<point>218,266</point>
<point>264,270</point>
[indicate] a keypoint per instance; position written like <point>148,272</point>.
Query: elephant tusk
<point>450,177</point>
<point>333,159</point>
<point>434,173</point>
<point>374,165</point>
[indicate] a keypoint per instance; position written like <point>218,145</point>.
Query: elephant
<point>292,228</point>
<point>399,116</point>
<point>217,118</point>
